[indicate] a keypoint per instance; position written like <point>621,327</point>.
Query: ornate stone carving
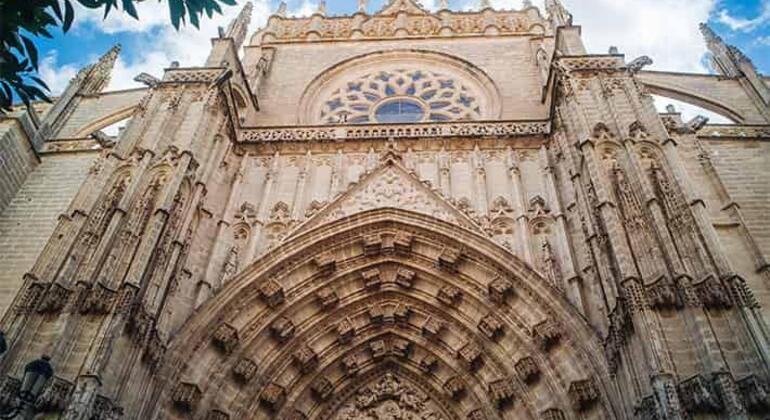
<point>428,363</point>
<point>698,396</point>
<point>372,279</point>
<point>455,387</point>
<point>501,392</point>
<point>9,390</point>
<point>97,300</point>
<point>449,259</point>
<point>321,388</point>
<point>186,396</point>
<point>432,327</point>
<point>663,294</point>
<point>105,409</point>
<point>527,370</point>
<point>327,297</point>
<point>500,289</point>
<point>755,393</point>
<point>305,358</point>
<point>401,347</point>
<point>245,370</point>
<point>350,364</point>
<point>295,415</point>
<point>378,348</point>
<point>553,414</point>
<point>477,414</point>
<point>647,409</point>
<point>404,278</point>
<point>273,396</point>
<point>385,131</point>
<point>583,394</point>
<point>547,334</point>
<point>226,338</point>
<point>450,295</point>
<point>470,355</point>
<point>155,349</point>
<point>491,326</point>
<point>325,263</point>
<point>712,293</point>
<point>345,330</point>
<point>271,293</point>
<point>282,329</point>
<point>388,398</point>
<point>372,244</point>
<point>54,300</point>
<point>56,395</point>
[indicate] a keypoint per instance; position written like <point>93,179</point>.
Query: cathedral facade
<point>393,215</point>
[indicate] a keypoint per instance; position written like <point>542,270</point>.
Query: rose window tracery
<point>401,96</point>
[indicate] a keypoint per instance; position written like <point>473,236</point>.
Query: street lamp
<point>36,375</point>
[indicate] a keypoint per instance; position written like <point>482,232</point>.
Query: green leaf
<point>69,15</point>
<point>57,9</point>
<point>128,6</point>
<point>40,82</point>
<point>177,10</point>
<point>31,51</point>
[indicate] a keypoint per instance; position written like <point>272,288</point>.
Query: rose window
<point>401,96</point>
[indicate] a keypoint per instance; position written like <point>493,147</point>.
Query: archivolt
<point>300,330</point>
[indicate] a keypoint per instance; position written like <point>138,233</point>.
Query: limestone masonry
<point>399,215</point>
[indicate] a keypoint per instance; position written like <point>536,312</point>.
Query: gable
<point>389,186</point>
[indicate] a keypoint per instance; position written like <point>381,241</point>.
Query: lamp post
<point>36,375</point>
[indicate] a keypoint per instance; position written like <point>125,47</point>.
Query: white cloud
<point>163,44</point>
<point>746,25</point>
<point>56,76</point>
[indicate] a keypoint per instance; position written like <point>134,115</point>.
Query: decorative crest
<point>408,6</point>
<point>97,76</point>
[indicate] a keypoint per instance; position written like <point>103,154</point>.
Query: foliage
<point>23,20</point>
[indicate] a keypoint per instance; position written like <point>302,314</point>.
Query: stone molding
<point>498,129</point>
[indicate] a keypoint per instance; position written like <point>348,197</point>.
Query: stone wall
<point>17,159</point>
<point>30,217</point>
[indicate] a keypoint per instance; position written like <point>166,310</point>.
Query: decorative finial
<point>670,109</point>
<point>443,5</point>
<point>240,25</point>
<point>362,6</point>
<point>321,8</point>
<point>282,9</point>
<point>526,4</point>
<point>613,50</point>
<point>557,13</point>
<point>485,4</point>
<point>97,76</point>
<point>708,34</point>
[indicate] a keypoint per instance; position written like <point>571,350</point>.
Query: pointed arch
<point>393,288</point>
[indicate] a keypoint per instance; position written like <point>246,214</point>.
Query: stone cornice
<point>396,131</point>
<point>404,25</point>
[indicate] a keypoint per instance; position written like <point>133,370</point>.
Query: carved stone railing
<point>397,131</point>
<point>735,131</point>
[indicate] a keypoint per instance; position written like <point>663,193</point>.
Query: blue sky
<point>666,30</point>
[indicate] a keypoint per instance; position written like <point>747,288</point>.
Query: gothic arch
<point>405,293</point>
<point>106,121</point>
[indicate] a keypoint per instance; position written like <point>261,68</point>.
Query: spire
<point>484,4</point>
<point>362,6</point>
<point>240,25</point>
<point>96,77</point>
<point>723,59</point>
<point>443,5</point>
<point>282,9</point>
<point>557,13</point>
<point>321,8</point>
